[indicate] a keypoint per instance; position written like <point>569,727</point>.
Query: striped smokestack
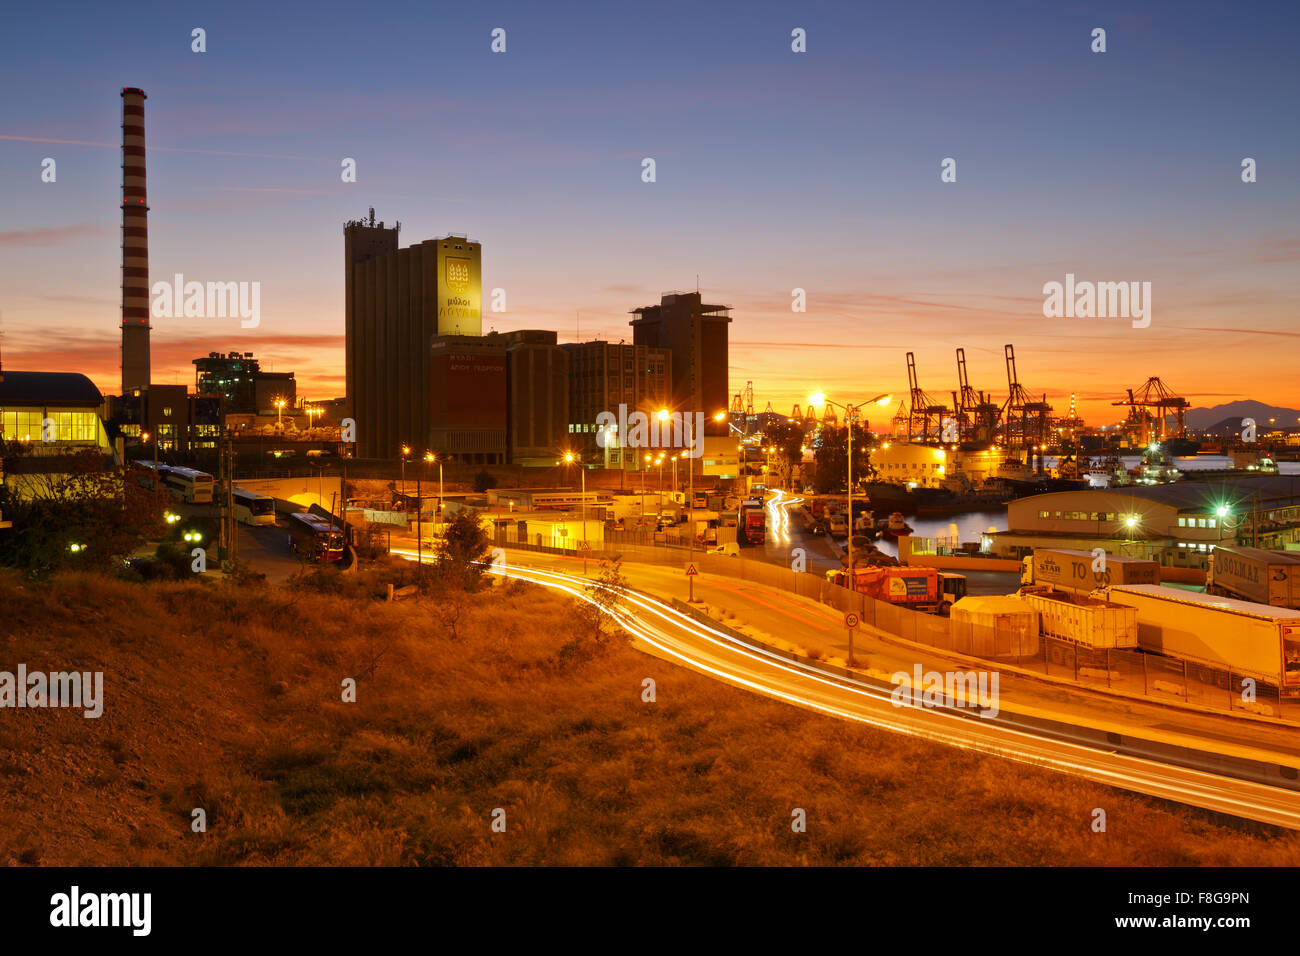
<point>135,246</point>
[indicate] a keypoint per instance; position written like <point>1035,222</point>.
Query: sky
<point>775,170</point>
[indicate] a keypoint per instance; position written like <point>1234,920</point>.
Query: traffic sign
<point>850,619</point>
<point>690,570</point>
<point>584,545</point>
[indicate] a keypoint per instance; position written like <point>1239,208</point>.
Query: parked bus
<point>314,538</point>
<point>147,474</point>
<point>253,508</point>
<point>189,485</point>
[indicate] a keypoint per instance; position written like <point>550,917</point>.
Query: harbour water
<point>971,525</point>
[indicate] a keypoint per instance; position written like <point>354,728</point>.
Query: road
<point>661,630</point>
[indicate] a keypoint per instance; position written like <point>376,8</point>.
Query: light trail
<point>778,515</point>
<point>682,638</point>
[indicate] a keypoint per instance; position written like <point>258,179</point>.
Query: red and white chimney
<point>135,246</point>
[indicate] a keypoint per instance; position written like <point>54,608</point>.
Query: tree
<point>604,596</point>
<point>831,455</point>
<point>788,439</point>
<point>463,551</point>
<point>89,514</point>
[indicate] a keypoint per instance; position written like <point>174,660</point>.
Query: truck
<point>838,524</point>
<point>1252,640</point>
<point>1074,570</point>
<point>920,588</point>
<point>1255,574</point>
<point>751,519</point>
<point>1083,620</point>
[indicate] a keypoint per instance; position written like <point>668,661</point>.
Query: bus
<point>188,485</point>
<point>253,508</point>
<point>148,474</point>
<point>314,538</point>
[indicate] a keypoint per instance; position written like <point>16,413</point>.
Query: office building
<point>696,334</point>
<point>603,376</point>
<point>244,387</point>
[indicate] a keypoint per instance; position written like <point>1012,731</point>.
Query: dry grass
<point>231,702</point>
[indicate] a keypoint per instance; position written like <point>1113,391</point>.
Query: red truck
<point>752,519</point>
<point>924,589</point>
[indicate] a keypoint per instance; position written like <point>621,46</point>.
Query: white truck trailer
<point>1255,574</point>
<point>1084,570</point>
<point>1254,640</point>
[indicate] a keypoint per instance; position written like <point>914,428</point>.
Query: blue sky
<point>775,170</point>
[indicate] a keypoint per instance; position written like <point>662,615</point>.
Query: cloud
<point>165,149</point>
<point>56,236</point>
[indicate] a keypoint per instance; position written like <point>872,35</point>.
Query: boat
<point>1157,467</point>
<point>893,526</point>
<point>1109,472</point>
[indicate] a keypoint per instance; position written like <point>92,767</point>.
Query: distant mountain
<point>1221,416</point>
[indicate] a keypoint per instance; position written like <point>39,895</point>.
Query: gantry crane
<point>1024,418</point>
<point>1149,409</point>
<point>922,409</point>
<point>976,413</point>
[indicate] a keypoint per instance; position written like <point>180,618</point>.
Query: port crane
<point>976,413</point>
<point>1024,417</point>
<point>922,409</point>
<point>1149,409</point>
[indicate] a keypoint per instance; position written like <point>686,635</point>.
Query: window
<point>1182,523</point>
<point>1042,514</point>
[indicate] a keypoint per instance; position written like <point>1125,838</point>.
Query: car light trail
<point>683,638</point>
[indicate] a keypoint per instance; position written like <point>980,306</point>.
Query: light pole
<point>569,457</point>
<point>279,407</point>
<point>430,457</point>
<point>817,401</point>
<point>406,450</point>
<point>660,506</point>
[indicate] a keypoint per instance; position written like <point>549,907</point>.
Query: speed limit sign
<point>850,619</point>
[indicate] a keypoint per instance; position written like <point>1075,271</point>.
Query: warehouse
<point>1176,524</point>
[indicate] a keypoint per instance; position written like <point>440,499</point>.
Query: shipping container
<point>1084,571</point>
<point>1083,620</point>
<point>1255,574</point>
<point>1254,640</point>
<point>994,626</point>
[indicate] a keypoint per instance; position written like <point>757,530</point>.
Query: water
<point>970,525</point>
<point>1189,463</point>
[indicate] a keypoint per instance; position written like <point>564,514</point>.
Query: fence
<point>1121,669</point>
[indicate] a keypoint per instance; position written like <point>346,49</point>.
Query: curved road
<point>675,636</point>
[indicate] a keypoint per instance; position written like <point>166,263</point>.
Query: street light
<point>431,457</point>
<point>570,458</point>
<point>406,450</point>
<point>817,401</point>
<point>279,407</point>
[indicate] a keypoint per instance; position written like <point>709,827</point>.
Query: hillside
<point>230,701</point>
